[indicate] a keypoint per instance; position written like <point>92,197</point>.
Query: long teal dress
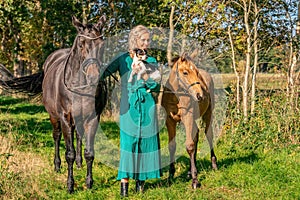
<point>139,138</point>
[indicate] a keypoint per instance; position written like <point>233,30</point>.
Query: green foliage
<point>274,126</point>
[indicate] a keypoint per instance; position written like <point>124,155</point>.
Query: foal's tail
<point>31,84</point>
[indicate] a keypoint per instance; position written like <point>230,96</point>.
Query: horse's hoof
<point>57,169</point>
<point>79,165</point>
<point>70,184</point>
<point>89,183</point>
<point>71,190</point>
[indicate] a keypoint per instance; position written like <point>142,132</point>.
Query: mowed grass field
<point>258,159</point>
<point>263,80</point>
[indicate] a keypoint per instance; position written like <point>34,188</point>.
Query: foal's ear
<point>194,54</point>
<point>78,25</point>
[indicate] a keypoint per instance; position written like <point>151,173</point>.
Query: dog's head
<point>141,54</point>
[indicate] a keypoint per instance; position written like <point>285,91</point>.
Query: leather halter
<point>186,87</point>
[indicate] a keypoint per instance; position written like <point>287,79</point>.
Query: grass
<point>257,160</point>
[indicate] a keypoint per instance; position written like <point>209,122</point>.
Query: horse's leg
<point>68,132</point>
<point>90,131</point>
<point>207,118</point>
<point>78,149</point>
<point>171,126</point>
<point>78,121</point>
<point>191,144</point>
<point>57,137</point>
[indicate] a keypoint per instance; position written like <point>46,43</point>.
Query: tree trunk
<point>255,46</point>
<point>235,71</point>
<point>171,34</point>
<point>248,59</point>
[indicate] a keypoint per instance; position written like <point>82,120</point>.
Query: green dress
<point>139,138</point>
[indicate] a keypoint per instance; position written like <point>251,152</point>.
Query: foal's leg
<point>195,139</point>
<point>90,131</point>
<point>171,126</point>
<point>207,118</point>
<point>57,137</point>
<point>68,131</point>
<point>191,144</point>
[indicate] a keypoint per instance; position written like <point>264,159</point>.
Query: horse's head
<point>185,77</point>
<point>88,48</point>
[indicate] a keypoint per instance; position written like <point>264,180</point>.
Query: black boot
<point>124,189</point>
<point>139,186</point>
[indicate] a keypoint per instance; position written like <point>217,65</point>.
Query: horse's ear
<point>100,23</point>
<point>78,25</point>
<point>173,61</point>
<point>194,54</point>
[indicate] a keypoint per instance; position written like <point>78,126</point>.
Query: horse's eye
<point>185,73</point>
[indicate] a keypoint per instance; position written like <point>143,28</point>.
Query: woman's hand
<point>145,76</point>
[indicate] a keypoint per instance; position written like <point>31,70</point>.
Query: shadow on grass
<point>202,165</point>
<point>5,100</point>
<point>110,129</point>
<point>18,105</point>
<point>28,109</point>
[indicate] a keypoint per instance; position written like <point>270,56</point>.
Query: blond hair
<point>136,34</point>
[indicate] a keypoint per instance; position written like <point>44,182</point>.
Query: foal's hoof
<point>214,163</point>
<point>195,184</point>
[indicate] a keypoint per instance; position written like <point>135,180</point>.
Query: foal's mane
<point>184,57</point>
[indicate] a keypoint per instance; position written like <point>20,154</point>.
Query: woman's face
<point>144,41</point>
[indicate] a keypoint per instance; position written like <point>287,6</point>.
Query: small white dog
<point>138,67</point>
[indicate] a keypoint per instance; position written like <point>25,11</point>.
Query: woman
<point>139,141</point>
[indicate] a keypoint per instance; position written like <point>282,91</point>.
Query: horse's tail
<point>31,84</point>
<point>5,74</point>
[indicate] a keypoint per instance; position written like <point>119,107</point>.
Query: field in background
<point>263,81</point>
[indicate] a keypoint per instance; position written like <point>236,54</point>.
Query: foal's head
<point>88,46</point>
<point>186,77</point>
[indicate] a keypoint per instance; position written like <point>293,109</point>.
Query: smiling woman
<point>139,139</point>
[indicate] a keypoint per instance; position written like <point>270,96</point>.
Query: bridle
<point>83,67</point>
<point>185,87</point>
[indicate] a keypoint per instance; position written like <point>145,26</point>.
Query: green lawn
<point>257,160</point>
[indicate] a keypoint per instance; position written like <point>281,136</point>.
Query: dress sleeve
<point>114,66</point>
